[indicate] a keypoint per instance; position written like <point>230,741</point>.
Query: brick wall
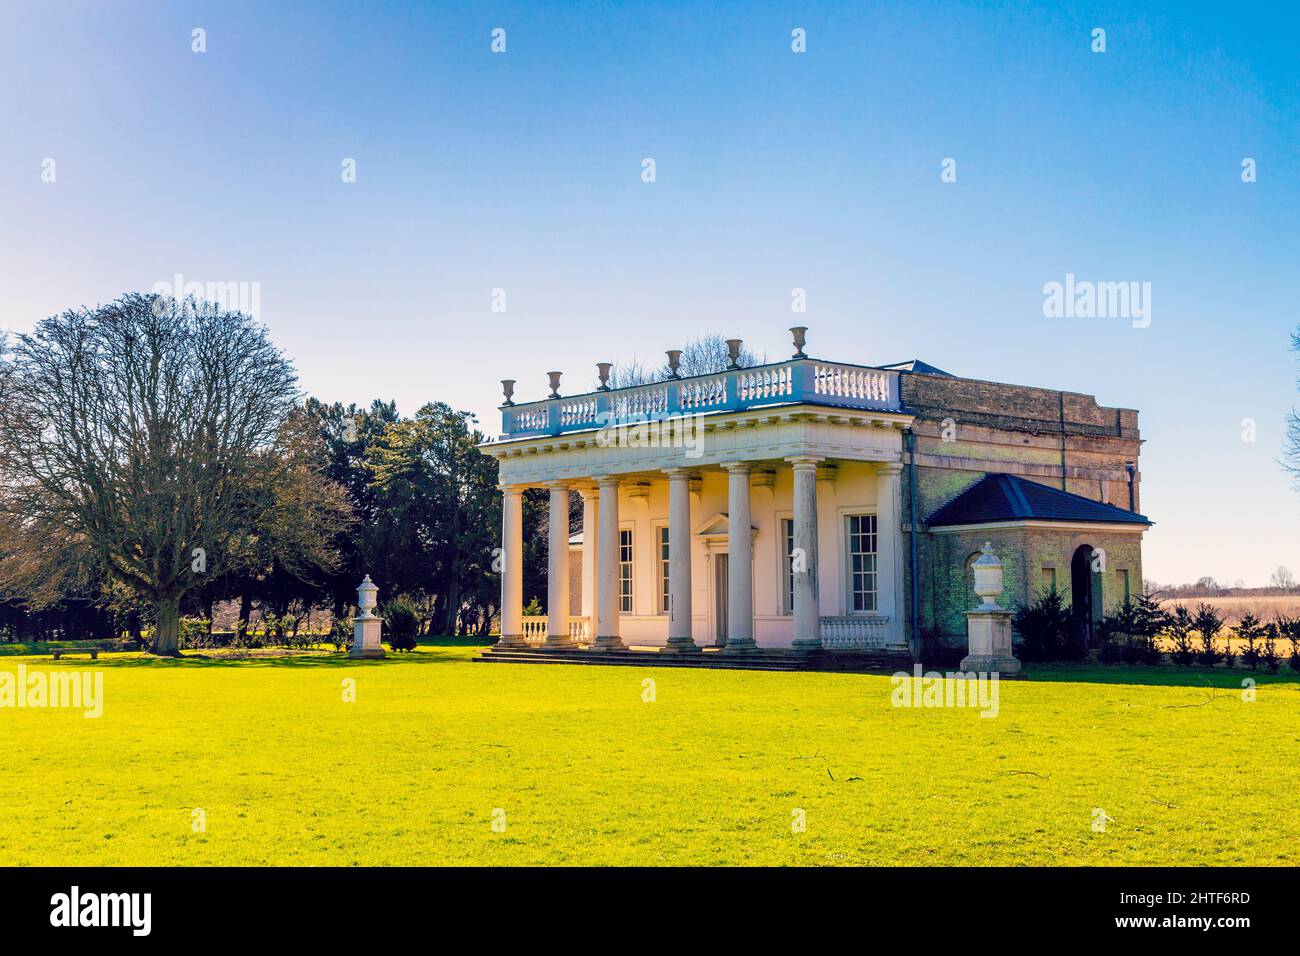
<point>1064,439</point>
<point>965,429</point>
<point>1025,552</point>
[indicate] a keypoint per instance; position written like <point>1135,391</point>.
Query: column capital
<point>679,472</point>
<point>562,484</point>
<point>891,468</point>
<point>736,467</point>
<point>605,480</point>
<point>805,462</point>
<point>512,489</point>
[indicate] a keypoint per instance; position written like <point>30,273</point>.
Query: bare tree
<point>1282,579</point>
<point>138,442</point>
<point>1291,449</point>
<point>708,354</point>
<point>703,355</point>
<point>630,373</point>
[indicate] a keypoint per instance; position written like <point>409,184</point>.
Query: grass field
<point>284,771</point>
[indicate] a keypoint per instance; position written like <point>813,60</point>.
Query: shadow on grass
<point>1165,675</point>
<point>287,658</point>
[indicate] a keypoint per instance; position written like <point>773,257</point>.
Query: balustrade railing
<point>535,629</point>
<point>798,380</point>
<point>853,633</point>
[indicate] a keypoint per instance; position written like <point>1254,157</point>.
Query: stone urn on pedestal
<point>988,627</point>
<point>366,631</point>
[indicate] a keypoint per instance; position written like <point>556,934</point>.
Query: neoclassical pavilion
<point>782,507</point>
<point>714,509</point>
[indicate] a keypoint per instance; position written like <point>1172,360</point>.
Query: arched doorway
<point>1081,594</point>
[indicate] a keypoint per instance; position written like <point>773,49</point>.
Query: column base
<point>367,653</point>
<point>740,645</point>
<point>806,647</point>
<point>680,645</point>
<point>511,641</point>
<point>553,643</point>
<point>609,643</point>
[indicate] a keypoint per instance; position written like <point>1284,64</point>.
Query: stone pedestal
<point>988,636</point>
<point>988,627</point>
<point>367,629</point>
<point>365,638</point>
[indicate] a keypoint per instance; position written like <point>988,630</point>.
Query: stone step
<point>767,660</point>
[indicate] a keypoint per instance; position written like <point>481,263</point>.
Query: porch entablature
<point>691,442</point>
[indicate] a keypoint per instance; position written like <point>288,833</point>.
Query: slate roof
<point>919,367</point>
<point>1011,498</point>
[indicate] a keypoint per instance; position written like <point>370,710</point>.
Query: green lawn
<point>286,772</point>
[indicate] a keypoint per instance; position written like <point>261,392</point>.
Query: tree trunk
<point>245,611</point>
<point>166,641</point>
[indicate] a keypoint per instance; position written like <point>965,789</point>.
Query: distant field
<point>1263,606</point>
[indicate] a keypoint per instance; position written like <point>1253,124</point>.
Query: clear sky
<point>775,170</point>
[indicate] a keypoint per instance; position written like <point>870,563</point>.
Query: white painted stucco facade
<point>847,463</point>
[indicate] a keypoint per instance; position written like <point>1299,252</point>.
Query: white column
<point>679,561</point>
<point>512,566</point>
<point>807,634</point>
<point>740,561</point>
<point>889,548</point>
<point>557,570</point>
<point>590,543</point>
<point>607,591</point>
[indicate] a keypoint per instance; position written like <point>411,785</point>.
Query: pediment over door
<point>716,527</point>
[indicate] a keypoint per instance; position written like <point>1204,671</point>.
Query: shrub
<point>1180,628</point>
<point>1249,629</point>
<point>1151,620</point>
<point>401,623</point>
<point>1114,630</point>
<point>1289,627</point>
<point>341,633</point>
<point>1268,654</point>
<point>1045,632</point>
<point>534,609</point>
<point>1133,629</point>
<point>1131,651</point>
<point>1207,623</point>
<point>194,632</point>
<point>1112,651</point>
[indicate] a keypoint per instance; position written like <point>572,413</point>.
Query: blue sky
<point>522,171</point>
